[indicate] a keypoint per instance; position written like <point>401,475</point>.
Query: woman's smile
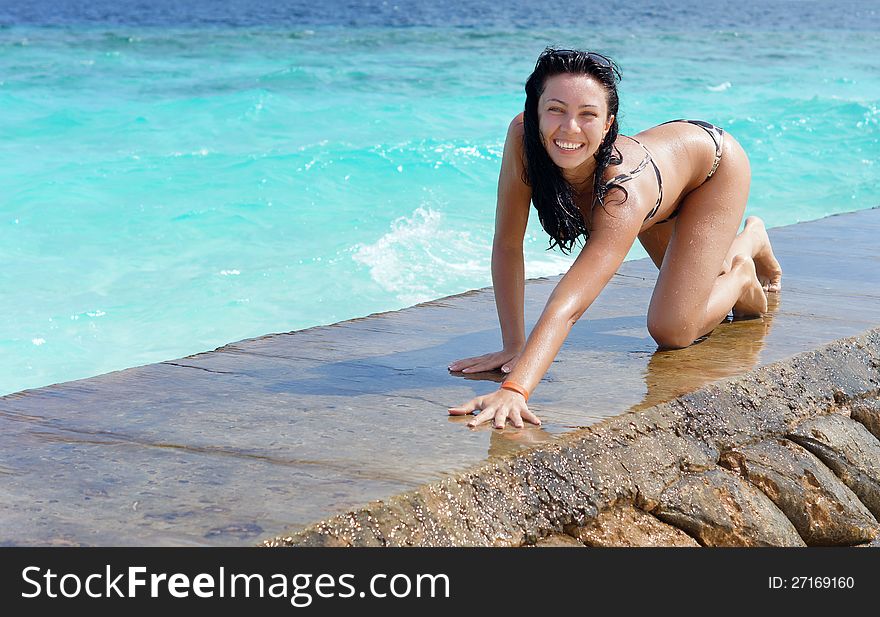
<point>568,146</point>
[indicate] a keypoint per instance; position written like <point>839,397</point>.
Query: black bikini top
<point>626,177</point>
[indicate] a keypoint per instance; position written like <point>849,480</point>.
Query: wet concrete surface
<point>265,436</point>
<point>666,464</point>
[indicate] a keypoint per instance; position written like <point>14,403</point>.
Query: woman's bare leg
<point>752,241</point>
<point>690,297</point>
<point>655,239</point>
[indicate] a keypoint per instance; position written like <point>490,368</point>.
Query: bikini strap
<point>659,191</point>
<point>626,177</point>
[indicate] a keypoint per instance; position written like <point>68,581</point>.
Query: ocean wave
<point>421,256</point>
<point>719,87</point>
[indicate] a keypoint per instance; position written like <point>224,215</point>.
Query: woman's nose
<point>572,125</point>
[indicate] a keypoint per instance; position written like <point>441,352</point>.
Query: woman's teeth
<point>568,145</point>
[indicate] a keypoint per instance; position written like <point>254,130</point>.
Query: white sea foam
<point>719,87</point>
<point>199,152</point>
<point>421,258</point>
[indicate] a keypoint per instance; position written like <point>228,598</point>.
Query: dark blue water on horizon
<point>785,15</point>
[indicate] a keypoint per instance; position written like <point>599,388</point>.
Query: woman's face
<point>573,120</point>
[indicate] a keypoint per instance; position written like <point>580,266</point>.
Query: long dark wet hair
<point>552,194</point>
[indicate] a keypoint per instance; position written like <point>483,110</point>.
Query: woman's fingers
<point>463,410</point>
<point>516,418</point>
<point>464,363</point>
<point>498,416</point>
<point>486,362</point>
<point>482,417</point>
<point>480,364</point>
<point>509,366</point>
<point>501,417</point>
<point>528,416</point>
<point>479,368</point>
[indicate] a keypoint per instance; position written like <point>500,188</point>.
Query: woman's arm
<point>511,218</point>
<point>613,233</point>
<point>610,240</point>
<point>508,269</point>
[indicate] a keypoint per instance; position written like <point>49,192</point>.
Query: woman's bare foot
<point>753,300</point>
<point>768,271</point>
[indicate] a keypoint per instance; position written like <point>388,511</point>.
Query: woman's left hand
<point>502,405</point>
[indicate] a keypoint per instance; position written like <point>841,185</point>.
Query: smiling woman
<point>565,155</point>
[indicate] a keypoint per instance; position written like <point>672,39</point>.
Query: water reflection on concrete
<point>264,436</point>
<point>732,349</point>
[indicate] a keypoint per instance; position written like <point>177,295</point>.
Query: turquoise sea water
<point>168,189</point>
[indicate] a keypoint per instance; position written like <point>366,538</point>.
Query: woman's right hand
<point>505,359</point>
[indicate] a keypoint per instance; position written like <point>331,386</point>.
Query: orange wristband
<point>515,387</point>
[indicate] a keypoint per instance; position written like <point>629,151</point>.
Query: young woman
<point>680,188</point>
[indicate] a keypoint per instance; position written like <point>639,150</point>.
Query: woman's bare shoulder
<point>514,143</point>
<point>517,122</point>
<point>512,183</point>
<point>627,158</point>
<point>516,130</point>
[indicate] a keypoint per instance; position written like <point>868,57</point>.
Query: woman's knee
<point>670,335</point>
